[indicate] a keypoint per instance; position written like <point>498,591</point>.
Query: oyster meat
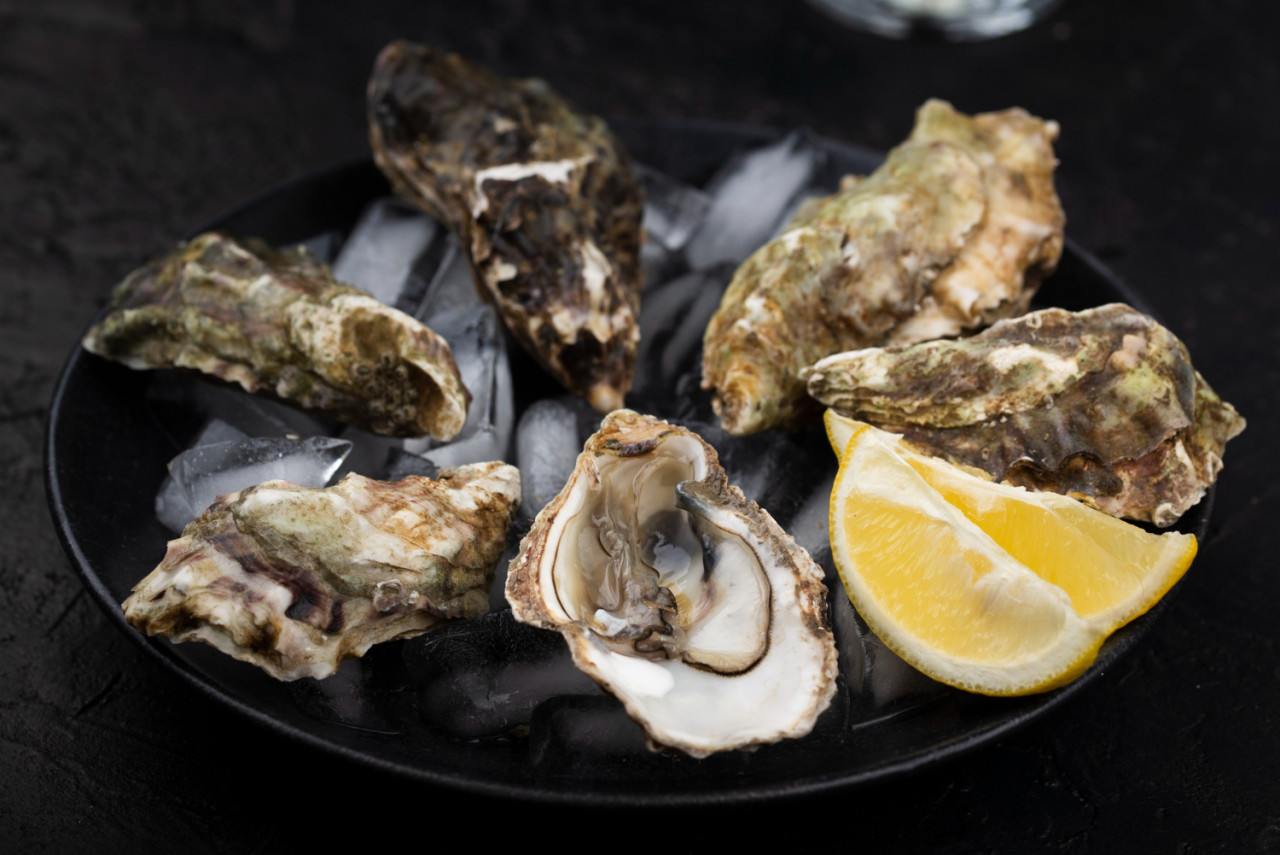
<point>540,195</point>
<point>279,324</point>
<point>683,599</point>
<point>297,579</point>
<point>956,229</point>
<point>1103,405</point>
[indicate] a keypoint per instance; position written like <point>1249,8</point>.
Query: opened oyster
<point>540,195</point>
<point>297,579</point>
<point>679,596</point>
<point>1103,405</point>
<point>279,324</point>
<point>953,231</point>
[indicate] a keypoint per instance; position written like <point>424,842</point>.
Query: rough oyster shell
<point>679,596</point>
<point>278,323</point>
<point>1102,404</point>
<point>953,231</point>
<point>540,195</point>
<point>297,579</point>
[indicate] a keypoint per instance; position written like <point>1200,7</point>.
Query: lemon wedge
<point>986,587</point>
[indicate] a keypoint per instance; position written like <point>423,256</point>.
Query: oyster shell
<point>297,579</point>
<point>1103,405</point>
<point>953,231</point>
<point>540,195</point>
<point>279,324</point>
<point>679,596</point>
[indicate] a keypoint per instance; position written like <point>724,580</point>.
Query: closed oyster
<point>679,596</point>
<point>297,579</point>
<point>540,195</point>
<point>956,229</point>
<point>1103,405</point>
<point>279,324</point>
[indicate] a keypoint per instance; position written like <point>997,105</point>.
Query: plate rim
<point>736,793</point>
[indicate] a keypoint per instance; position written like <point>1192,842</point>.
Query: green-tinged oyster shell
<point>297,579</point>
<point>956,229</point>
<point>278,323</point>
<point>1102,404</point>
<point>540,195</point>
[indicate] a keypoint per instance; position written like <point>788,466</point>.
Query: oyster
<point>297,579</point>
<point>679,596</point>
<point>540,195</point>
<point>1103,405</point>
<point>278,323</point>
<point>956,229</point>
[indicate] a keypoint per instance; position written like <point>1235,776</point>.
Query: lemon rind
<point>1070,653</point>
<point>1175,558</point>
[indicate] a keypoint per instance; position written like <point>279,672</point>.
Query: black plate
<point>107,454</point>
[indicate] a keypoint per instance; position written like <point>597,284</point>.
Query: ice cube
<point>383,248</point>
<point>891,681</point>
<point>850,632</point>
<point>452,288</point>
<point>209,471</point>
<point>480,349</point>
<point>402,464</point>
<point>593,738</point>
<point>809,525</point>
<point>659,265</point>
<point>217,431</point>
<point>672,210</point>
<point>515,536</point>
<point>371,454</point>
<point>352,697</point>
<point>785,221</point>
<point>484,677</point>
<point>750,195</point>
<point>426,270</point>
<point>178,399</point>
<point>324,246</point>
<point>173,509</point>
<point>589,420</point>
<point>824,181</point>
<point>776,469</point>
<point>689,402</point>
<point>877,676</point>
<point>673,318</point>
<point>547,448</point>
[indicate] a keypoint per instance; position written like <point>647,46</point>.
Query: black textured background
<point>125,124</point>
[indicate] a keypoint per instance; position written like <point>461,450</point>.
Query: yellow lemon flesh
<point>983,586</point>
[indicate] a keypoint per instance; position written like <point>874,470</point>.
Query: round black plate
<point>107,454</point>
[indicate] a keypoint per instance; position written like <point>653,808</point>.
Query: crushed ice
<point>696,236</point>
<point>215,466</point>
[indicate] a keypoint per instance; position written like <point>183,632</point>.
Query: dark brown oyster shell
<point>540,195</point>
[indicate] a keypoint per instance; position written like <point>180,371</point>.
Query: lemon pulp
<point>987,587</point>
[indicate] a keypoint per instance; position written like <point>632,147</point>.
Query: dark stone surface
<point>125,124</point>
